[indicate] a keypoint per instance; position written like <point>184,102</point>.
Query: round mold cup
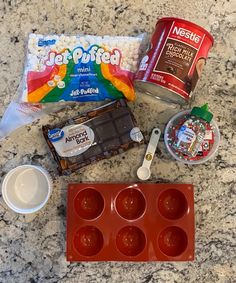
<point>172,204</point>
<point>130,241</point>
<point>173,241</point>
<point>200,160</point>
<point>88,241</point>
<point>89,204</point>
<point>130,204</point>
<point>26,188</point>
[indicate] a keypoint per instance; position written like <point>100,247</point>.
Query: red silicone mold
<point>123,222</point>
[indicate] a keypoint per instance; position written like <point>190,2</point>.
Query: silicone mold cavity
<point>89,204</point>
<point>172,241</point>
<point>130,241</point>
<point>130,204</point>
<point>172,204</point>
<point>88,241</point>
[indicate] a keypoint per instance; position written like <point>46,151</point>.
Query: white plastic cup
<point>26,188</point>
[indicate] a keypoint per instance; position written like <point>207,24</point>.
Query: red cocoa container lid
<point>165,19</point>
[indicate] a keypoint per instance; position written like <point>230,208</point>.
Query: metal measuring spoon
<point>144,171</point>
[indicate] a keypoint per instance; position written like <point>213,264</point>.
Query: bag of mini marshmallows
<point>72,69</point>
<point>80,68</point>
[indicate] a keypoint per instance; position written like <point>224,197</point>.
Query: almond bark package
<point>97,134</point>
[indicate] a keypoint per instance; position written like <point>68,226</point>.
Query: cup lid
<point>202,112</point>
<point>26,188</point>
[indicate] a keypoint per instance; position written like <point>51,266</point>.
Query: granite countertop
<point>32,247</point>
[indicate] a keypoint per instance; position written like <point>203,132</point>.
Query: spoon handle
<point>152,145</point>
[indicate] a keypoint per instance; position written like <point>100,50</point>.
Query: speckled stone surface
<point>32,248</point>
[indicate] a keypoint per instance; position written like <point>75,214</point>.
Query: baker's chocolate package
<point>97,134</point>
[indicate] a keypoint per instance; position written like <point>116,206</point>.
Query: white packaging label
<point>71,140</point>
<point>136,135</point>
<point>186,135</point>
<point>208,135</point>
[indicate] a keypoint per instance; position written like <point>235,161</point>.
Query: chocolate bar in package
<point>97,134</point>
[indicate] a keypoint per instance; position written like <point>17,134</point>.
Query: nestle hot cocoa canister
<point>174,61</point>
